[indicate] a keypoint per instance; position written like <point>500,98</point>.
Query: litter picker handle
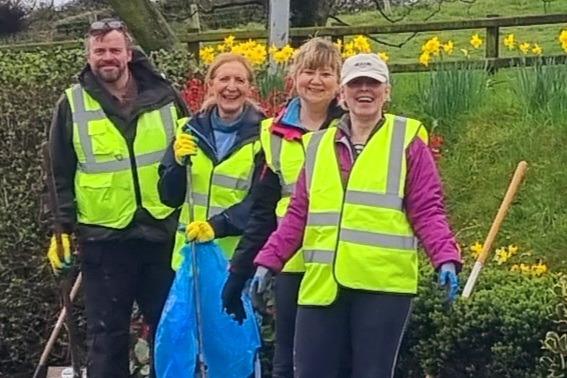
<point>500,215</point>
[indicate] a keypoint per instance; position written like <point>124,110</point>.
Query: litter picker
<point>504,206</point>
<point>65,282</point>
<point>201,363</point>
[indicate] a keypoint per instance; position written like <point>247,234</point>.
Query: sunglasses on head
<point>106,25</point>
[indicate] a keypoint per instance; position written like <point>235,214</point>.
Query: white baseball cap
<point>364,65</point>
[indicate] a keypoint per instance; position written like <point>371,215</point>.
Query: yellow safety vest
<point>285,158</point>
<point>104,181</point>
<point>358,235</point>
<point>215,189</point>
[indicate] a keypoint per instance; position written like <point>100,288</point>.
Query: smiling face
<point>365,97</point>
<point>108,56</point>
<point>317,86</point>
<point>230,87</point>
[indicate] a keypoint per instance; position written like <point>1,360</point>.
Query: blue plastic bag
<point>229,348</point>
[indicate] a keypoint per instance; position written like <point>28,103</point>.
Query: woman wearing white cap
<point>368,191</point>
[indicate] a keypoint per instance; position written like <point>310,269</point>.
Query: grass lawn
<point>482,149</point>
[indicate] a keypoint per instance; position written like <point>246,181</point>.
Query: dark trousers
<point>366,327</point>
<point>115,274</point>
<point>286,289</point>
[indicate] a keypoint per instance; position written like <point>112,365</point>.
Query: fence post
<point>193,48</point>
<point>492,39</point>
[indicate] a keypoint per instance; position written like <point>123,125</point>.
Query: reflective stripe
<point>378,240</point>
<point>167,121</point>
<point>287,189</point>
<point>318,256</point>
<point>310,156</point>
<point>323,219</point>
<point>388,201</point>
<point>215,210</point>
<point>122,164</point>
<point>200,199</point>
<point>396,155</point>
<point>276,151</point>
<point>231,182</point>
<point>82,117</point>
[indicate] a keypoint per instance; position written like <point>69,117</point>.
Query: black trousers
<point>114,275</point>
<point>286,289</point>
<point>366,327</point>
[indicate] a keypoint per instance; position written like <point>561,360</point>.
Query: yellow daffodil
<point>501,256</point>
<point>476,249</point>
<point>349,50</point>
<point>229,41</point>
<point>432,46</point>
<point>272,50</point>
<point>339,44</point>
<point>361,44</point>
<point>384,56</point>
<point>283,55</point>
<point>207,54</point>
<point>536,49</point>
<point>448,47</point>
<point>222,48</point>
<point>425,58</point>
<point>563,37</point>
<point>513,249</point>
<point>510,41</point>
<point>524,47</point>
<point>476,41</point>
<point>539,269</point>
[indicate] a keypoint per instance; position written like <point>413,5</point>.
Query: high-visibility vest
<point>106,172</point>
<point>215,189</point>
<point>285,158</point>
<point>358,235</point>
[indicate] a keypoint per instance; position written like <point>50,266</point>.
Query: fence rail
<point>492,25</point>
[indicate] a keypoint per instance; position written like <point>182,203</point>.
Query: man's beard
<point>110,76</point>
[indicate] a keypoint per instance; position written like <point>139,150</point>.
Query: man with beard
<point>107,137</point>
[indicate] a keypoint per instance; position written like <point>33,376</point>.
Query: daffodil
<point>476,41</point>
<point>476,249</point>
<point>229,41</point>
<point>339,44</point>
<point>510,41</point>
<point>361,44</point>
<point>513,249</point>
<point>207,54</point>
<point>221,48</point>
<point>448,47</point>
<point>539,269</point>
<point>425,58</point>
<point>273,49</point>
<point>563,37</point>
<point>283,55</point>
<point>384,56</point>
<point>536,49</point>
<point>432,46</point>
<point>524,47</point>
<point>348,50</point>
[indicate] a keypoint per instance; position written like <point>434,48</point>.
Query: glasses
<point>106,25</point>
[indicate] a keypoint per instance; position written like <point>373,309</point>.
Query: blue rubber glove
<point>258,288</point>
<point>449,280</point>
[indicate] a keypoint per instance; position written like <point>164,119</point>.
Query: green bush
<point>497,332</point>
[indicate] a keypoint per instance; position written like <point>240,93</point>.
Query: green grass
<point>482,149</point>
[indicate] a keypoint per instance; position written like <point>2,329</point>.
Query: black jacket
<point>173,177</point>
<point>265,196</point>
<point>153,92</point>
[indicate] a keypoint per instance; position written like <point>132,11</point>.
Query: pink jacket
<point>423,203</point>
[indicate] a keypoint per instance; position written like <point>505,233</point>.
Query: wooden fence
<point>492,26</point>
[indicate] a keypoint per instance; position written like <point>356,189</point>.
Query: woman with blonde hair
<point>221,145</point>
<point>369,190</point>
<point>315,73</point>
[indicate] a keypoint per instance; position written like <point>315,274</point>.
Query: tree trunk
<point>146,23</point>
<point>310,12</point>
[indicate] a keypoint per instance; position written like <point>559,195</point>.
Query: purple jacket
<point>423,203</point>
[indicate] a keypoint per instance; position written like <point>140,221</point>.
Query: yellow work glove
<point>184,147</point>
<point>60,260</point>
<point>200,232</point>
